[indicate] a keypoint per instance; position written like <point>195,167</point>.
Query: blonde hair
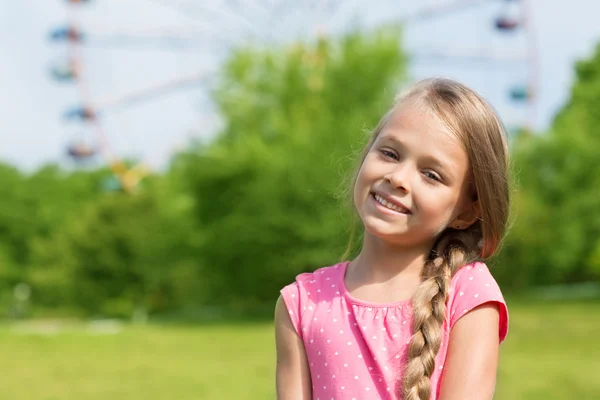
<point>478,128</point>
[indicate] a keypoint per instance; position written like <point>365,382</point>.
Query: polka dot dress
<point>357,349</point>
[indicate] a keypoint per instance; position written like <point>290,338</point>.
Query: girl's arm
<point>293,374</point>
<point>472,359</point>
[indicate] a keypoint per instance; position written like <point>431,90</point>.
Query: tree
<point>266,191</point>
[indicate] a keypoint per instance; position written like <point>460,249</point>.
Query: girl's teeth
<point>387,204</point>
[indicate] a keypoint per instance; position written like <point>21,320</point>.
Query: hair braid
<point>429,310</point>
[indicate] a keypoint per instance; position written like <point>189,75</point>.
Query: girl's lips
<point>385,200</point>
<point>400,210</point>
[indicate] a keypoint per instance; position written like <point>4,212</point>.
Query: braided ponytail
<point>429,308</point>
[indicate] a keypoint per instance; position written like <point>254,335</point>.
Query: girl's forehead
<point>415,122</point>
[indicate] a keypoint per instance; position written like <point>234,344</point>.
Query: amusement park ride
<point>212,16</point>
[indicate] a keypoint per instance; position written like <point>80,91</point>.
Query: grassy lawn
<point>551,353</point>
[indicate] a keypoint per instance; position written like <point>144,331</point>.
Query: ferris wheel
<point>129,61</point>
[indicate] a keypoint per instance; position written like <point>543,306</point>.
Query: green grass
<point>551,353</point>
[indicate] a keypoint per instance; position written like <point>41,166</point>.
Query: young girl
<point>416,315</point>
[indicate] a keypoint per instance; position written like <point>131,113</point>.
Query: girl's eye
<point>389,154</point>
<point>432,176</point>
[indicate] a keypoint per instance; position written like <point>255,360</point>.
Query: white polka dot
<point>470,278</point>
<point>476,295</point>
<point>367,389</point>
<point>355,377</point>
<point>336,353</point>
<point>349,343</point>
<point>461,293</point>
<point>374,337</point>
<point>360,356</point>
<point>395,335</point>
<point>293,295</point>
<point>487,285</point>
<point>341,332</point>
<point>345,365</point>
<point>310,307</point>
<point>321,330</point>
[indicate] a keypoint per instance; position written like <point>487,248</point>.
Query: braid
<point>429,309</point>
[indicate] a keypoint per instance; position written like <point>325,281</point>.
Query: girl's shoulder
<point>310,288</point>
<point>471,286</point>
<point>322,279</point>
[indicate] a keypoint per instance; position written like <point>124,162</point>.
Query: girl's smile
<point>389,205</point>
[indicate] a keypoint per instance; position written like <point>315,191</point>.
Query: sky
<point>33,132</point>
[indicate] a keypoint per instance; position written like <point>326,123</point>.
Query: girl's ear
<point>468,217</point>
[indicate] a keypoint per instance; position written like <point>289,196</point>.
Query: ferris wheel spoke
<point>148,92</point>
<point>440,9</point>
<point>199,11</point>
<point>475,54</point>
<point>344,13</point>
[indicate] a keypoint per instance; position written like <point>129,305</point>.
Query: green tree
<point>266,192</point>
<point>556,237</point>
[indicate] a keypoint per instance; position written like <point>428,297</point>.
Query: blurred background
<point>166,166</point>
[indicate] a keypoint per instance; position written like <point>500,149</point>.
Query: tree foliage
<point>267,189</point>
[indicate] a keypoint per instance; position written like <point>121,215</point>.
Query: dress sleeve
<point>472,286</point>
<point>294,297</point>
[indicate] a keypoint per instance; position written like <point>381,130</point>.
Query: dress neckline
<point>353,300</point>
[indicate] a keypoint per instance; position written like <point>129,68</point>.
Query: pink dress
<point>356,349</point>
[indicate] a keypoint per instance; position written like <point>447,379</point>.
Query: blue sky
<point>32,132</point>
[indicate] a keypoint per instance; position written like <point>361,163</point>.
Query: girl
<point>416,315</point>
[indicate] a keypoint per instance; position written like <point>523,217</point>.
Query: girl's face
<point>420,170</point>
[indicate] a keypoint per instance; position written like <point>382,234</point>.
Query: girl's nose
<point>399,177</point>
